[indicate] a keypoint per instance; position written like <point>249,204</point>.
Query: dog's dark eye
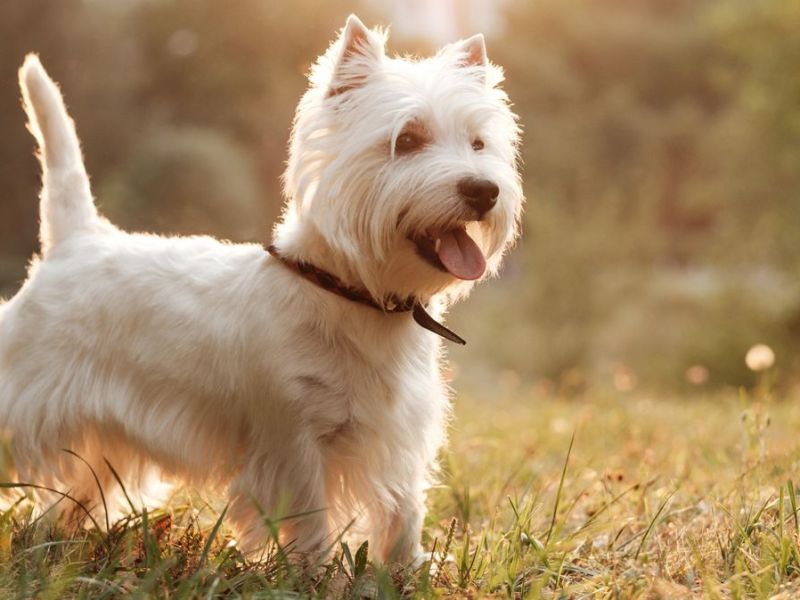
<point>408,142</point>
<point>477,144</point>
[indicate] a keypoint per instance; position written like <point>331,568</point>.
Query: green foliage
<point>661,161</point>
<point>187,181</point>
<point>136,74</point>
<point>661,167</point>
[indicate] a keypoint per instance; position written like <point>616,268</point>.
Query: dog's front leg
<point>397,530</point>
<point>284,490</point>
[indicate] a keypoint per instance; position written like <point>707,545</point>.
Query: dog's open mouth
<point>452,250</point>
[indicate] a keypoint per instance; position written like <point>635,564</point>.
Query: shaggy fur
<point>215,363</point>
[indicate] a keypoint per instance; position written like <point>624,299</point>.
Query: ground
<point>658,497</point>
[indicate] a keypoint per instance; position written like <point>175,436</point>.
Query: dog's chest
<point>344,395</point>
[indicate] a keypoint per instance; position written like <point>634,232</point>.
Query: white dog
<point>307,381</point>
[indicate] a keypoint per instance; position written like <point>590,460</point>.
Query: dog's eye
<point>408,142</point>
<point>477,144</point>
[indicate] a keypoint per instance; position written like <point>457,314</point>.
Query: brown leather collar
<point>394,304</point>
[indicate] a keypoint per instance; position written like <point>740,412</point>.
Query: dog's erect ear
<point>474,49</point>
<point>358,52</point>
<point>471,54</point>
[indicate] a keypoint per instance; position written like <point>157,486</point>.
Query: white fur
<point>219,365</point>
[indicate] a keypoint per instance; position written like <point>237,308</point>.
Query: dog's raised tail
<point>66,199</point>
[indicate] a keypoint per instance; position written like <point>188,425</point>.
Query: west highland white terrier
<point>305,378</point>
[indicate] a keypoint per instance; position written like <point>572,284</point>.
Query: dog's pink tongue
<point>460,255</point>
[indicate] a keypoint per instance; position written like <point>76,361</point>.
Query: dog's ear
<point>356,53</point>
<point>474,51</point>
<point>471,54</point>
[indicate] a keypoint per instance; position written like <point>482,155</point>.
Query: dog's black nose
<point>480,194</point>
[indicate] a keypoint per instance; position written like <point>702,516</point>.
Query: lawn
<point>609,495</point>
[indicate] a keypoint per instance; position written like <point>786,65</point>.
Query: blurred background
<point>661,239</point>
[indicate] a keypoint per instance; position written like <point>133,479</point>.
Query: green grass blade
<point>96,481</point>
<point>560,490</point>
<point>653,522</point>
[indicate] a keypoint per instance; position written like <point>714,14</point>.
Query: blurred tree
<point>77,42</point>
<point>187,181</point>
<point>131,69</point>
<point>763,39</point>
<point>662,161</point>
<point>237,68</point>
<point>660,156</point>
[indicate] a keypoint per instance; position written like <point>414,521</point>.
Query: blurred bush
<point>186,181</point>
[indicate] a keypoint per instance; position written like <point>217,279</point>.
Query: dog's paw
<point>433,562</point>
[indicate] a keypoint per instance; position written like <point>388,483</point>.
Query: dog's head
<point>407,169</point>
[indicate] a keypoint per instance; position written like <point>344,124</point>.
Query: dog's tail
<point>66,199</point>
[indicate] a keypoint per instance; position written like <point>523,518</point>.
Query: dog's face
<point>407,168</point>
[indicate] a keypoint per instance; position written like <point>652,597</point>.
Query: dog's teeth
<point>437,244</point>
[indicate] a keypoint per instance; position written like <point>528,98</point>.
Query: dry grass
<point>667,497</point>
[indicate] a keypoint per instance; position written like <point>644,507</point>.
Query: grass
<point>607,496</point>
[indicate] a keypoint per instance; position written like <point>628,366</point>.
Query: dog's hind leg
<point>78,475</point>
<point>66,199</point>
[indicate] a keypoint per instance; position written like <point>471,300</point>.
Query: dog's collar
<point>394,304</point>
